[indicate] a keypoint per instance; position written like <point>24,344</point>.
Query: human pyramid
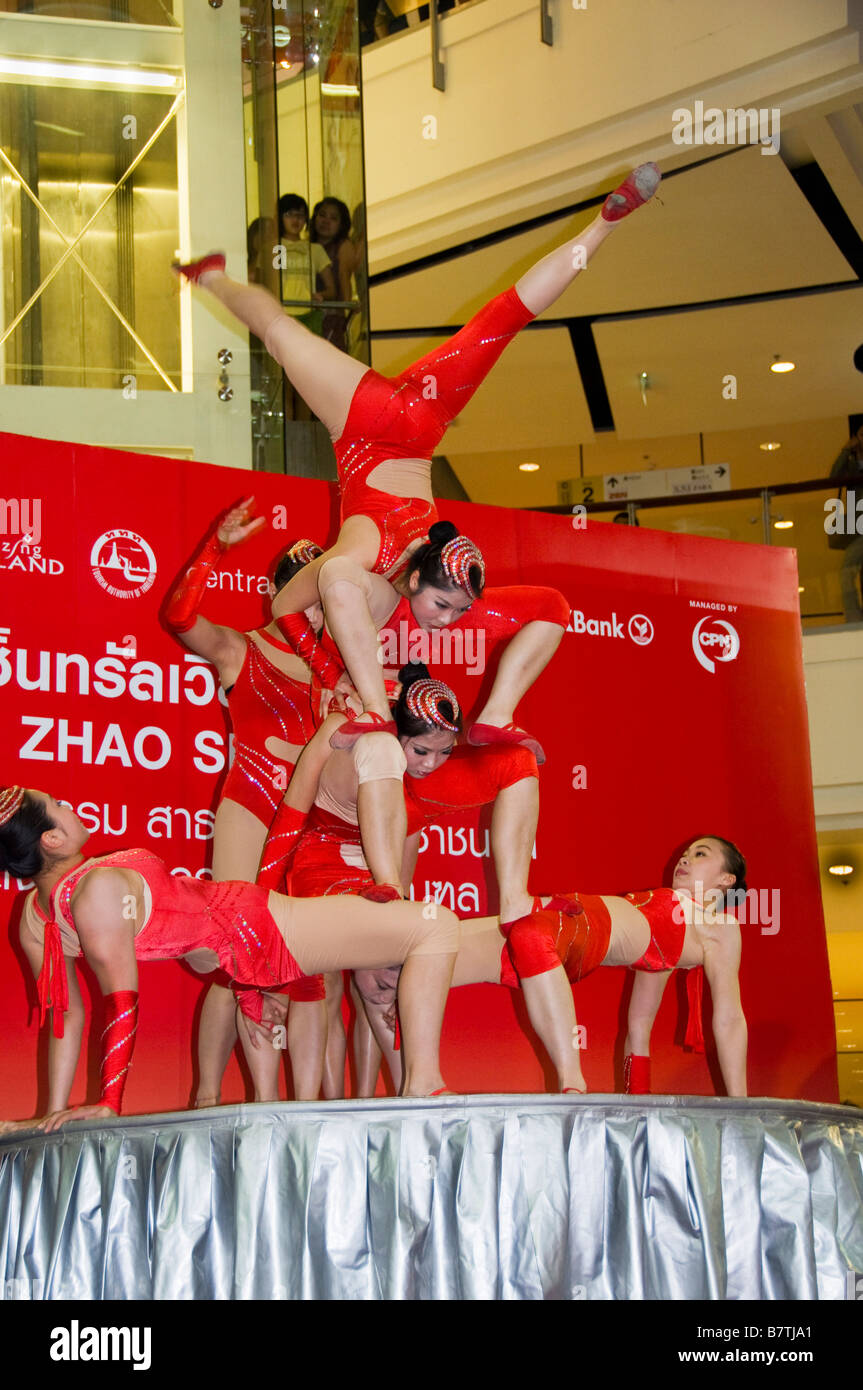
<point>312,883</point>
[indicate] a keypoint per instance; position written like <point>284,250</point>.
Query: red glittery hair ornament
<point>458,557</point>
<point>423,701</point>
<point>304,551</point>
<point>10,802</point>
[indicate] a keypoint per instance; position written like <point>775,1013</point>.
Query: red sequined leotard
<point>185,914</point>
<point>264,703</point>
<point>406,416</point>
<point>329,856</point>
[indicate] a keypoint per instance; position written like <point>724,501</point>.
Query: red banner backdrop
<point>673,708</point>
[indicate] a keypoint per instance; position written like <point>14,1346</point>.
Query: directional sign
<point>654,482</point>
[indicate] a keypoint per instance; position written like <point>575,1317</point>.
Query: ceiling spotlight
<point>779,364</point>
<point>841,871</point>
<point>528,468</point>
<point>782,525</point>
<point>801,588</point>
<point>770,446</point>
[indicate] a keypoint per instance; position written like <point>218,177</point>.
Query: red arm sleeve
<point>278,855</point>
<point>181,612</point>
<point>300,635</point>
<point>118,1043</point>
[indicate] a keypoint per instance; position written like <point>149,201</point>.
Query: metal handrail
<point>320,304</point>
<point>733,495</point>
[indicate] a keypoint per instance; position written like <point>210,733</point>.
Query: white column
<point>211,173</point>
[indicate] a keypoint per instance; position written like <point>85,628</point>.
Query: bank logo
<point>640,629</point>
<point>713,639</point>
<point>123,563</point>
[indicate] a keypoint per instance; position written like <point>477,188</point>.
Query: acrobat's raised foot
<point>637,188</point>
<point>195,269</point>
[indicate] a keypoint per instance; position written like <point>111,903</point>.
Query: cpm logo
<point>123,563</point>
<point>722,645</point>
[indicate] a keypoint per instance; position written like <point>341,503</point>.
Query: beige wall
<point>523,127</point>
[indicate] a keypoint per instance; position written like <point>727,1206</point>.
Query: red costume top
<point>460,652</point>
<point>264,703</point>
<point>406,416</point>
<point>329,856</point>
<point>470,777</point>
<point>661,907</point>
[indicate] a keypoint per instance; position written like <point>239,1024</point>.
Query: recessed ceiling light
<point>782,525</point>
<point>780,364</point>
<point>801,588</point>
<point>528,467</point>
<point>841,870</point>
<point>770,446</point>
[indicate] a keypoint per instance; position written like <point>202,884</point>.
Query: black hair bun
<point>414,671</point>
<point>441,532</point>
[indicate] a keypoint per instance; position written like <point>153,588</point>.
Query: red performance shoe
<point>636,1075</point>
<point>352,729</point>
<point>483,735</point>
<point>195,269</point>
<point>637,188</point>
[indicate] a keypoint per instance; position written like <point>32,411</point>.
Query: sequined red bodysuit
<point>186,914</point>
<point>264,703</point>
<point>329,854</point>
<point>406,416</point>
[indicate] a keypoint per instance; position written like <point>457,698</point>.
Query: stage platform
<point>460,1197</point>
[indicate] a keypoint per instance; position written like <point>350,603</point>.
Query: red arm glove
<point>278,855</point>
<point>300,635</point>
<point>181,612</point>
<point>118,1042</point>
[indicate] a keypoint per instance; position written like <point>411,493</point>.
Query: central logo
<point>123,563</point>
<point>723,645</point>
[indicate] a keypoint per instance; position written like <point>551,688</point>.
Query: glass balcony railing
<point>304,144</point>
<point>388,17</point>
<point>822,519</point>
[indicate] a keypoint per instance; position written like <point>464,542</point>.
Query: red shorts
<point>537,944</point>
<point>405,417</point>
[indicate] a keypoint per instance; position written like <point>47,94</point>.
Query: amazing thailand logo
<point>123,563</point>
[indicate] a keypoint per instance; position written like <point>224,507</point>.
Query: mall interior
<point>705,377</point>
